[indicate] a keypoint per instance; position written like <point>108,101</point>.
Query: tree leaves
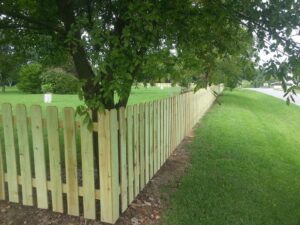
<point>121,42</point>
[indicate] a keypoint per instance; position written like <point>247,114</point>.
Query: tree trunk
<point>83,67</point>
<point>124,100</point>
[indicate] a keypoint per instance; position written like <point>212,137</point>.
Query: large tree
<point>111,41</point>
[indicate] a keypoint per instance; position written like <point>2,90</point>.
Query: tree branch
<point>42,24</point>
<point>18,26</point>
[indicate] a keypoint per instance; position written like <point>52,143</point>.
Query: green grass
<point>245,165</point>
<point>138,95</point>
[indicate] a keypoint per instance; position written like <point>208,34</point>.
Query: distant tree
<point>30,78</point>
<point>10,63</point>
<point>259,79</point>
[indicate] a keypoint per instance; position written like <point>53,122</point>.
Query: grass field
<point>245,165</point>
<point>138,95</point>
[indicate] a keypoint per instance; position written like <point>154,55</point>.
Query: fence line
<point>52,160</point>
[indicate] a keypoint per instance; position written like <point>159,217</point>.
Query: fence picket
<point>54,158</point>
<point>123,160</point>
<point>166,132</point>
<point>115,164</point>
<point>71,161</point>
<point>155,136</point>
<point>39,156</point>
<point>147,143</point>
<point>163,130</point>
<point>151,141</point>
<point>159,139</point>
<point>165,124</point>
<point>136,155</point>
<point>88,178</point>
<point>169,116</point>
<point>142,145</point>
<point>108,154</point>
<point>10,152</point>
<point>130,166</point>
<point>24,154</point>
<point>2,178</point>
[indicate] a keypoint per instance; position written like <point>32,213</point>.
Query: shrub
<point>60,81</point>
<point>30,78</point>
<point>246,84</point>
<point>47,88</point>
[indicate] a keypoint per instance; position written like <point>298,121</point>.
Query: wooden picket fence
<point>48,162</point>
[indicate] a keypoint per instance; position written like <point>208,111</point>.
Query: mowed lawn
<point>245,165</point>
<point>138,95</point>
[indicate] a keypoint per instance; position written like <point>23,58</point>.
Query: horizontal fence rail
<point>59,164</point>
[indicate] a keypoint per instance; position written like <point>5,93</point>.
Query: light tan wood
<point>151,140</point>
<point>162,132</point>
<point>39,157</point>
<point>155,136</point>
<point>24,154</point>
<point>130,165</point>
<point>165,124</point>
<point>169,107</point>
<point>108,150</point>
<point>88,179</point>
<point>114,143</point>
<point>60,123</point>
<point>165,130</point>
<point>50,187</point>
<point>136,155</point>
<point>71,161</point>
<point>159,135</point>
<point>123,160</point>
<point>10,152</point>
<point>147,143</point>
<point>2,175</point>
<point>142,145</point>
<point>54,158</point>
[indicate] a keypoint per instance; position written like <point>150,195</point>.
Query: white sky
<point>265,57</point>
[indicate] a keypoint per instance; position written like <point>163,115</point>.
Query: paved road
<point>276,93</point>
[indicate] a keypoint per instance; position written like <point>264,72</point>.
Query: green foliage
<point>10,62</point>
<point>30,78</point>
<point>259,80</point>
<point>47,88</point>
<point>60,81</point>
<point>114,43</point>
<point>246,84</point>
<point>233,70</point>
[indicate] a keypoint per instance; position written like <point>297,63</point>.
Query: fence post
<point>109,166</point>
